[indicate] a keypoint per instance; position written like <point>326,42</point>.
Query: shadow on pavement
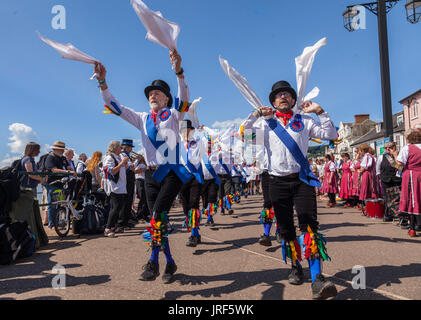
<point>35,272</point>
<point>369,238</point>
<point>239,281</point>
<point>234,244</point>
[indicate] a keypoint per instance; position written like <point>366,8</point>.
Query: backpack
<point>10,181</point>
<point>41,162</point>
<point>17,241</point>
<point>93,221</point>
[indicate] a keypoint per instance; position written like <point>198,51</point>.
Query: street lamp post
<point>380,8</point>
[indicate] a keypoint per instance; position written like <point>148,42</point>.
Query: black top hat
<point>127,142</point>
<point>281,86</point>
<point>161,86</point>
<point>186,124</point>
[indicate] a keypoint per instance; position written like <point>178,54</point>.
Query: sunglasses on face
<point>285,94</point>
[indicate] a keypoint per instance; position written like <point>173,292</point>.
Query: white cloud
<point>226,124</point>
<point>21,134</point>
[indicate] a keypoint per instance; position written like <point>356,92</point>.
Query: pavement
<point>228,265</point>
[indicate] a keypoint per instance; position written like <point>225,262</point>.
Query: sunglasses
<point>284,93</point>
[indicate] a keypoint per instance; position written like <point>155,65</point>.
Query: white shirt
<point>404,153</point>
<point>80,167</point>
<point>109,185</point>
<point>138,166</point>
<point>320,170</point>
<point>168,129</point>
<point>281,161</point>
<point>367,161</point>
<point>196,151</point>
<point>226,159</point>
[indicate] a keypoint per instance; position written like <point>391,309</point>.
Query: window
<point>400,120</point>
<point>414,109</point>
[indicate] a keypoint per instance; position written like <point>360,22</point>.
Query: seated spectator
<point>81,165</point>
<point>31,182</point>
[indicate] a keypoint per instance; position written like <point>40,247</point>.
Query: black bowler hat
<point>127,142</point>
<point>281,86</point>
<point>186,124</point>
<point>161,86</point>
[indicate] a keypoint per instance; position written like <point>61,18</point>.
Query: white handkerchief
<point>304,63</point>
<point>241,83</point>
<point>312,94</point>
<point>192,114</point>
<point>160,30</point>
<point>68,51</point>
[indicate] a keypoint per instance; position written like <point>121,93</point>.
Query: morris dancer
<point>330,182</point>
<point>292,183</point>
<point>222,161</point>
<point>165,174</point>
<point>210,186</point>
<point>236,183</point>
<point>346,180</point>
<point>190,191</point>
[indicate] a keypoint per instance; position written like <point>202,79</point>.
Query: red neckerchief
<point>153,115</point>
<point>284,116</point>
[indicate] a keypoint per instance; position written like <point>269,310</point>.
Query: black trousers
<point>225,187</point>
<point>142,209</point>
<point>332,197</point>
<point>209,192</point>
<point>117,202</point>
<point>287,192</point>
<point>160,196</point>
<point>124,216</point>
<point>267,204</point>
<point>190,195</point>
<point>235,185</point>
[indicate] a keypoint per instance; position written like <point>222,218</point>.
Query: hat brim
<point>57,148</point>
<point>150,88</point>
<point>287,89</point>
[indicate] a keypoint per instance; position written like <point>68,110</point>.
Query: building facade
<point>412,109</point>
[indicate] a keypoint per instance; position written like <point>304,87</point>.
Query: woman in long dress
<point>330,184</point>
<point>409,159</point>
<point>356,180</point>
<point>346,180</point>
<point>369,189</point>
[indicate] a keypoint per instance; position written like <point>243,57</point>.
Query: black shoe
<point>230,211</point>
<point>192,242</point>
<point>323,289</point>
<point>168,275</point>
<point>222,211</point>
<point>265,241</point>
<point>199,239</point>
<point>387,219</point>
<point>296,275</point>
<point>151,271</point>
<point>209,223</point>
<point>418,228</point>
<point>278,237</point>
<point>404,224</point>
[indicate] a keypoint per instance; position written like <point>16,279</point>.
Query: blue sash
<point>225,167</point>
<point>211,170</point>
<point>238,173</point>
<point>164,169</point>
<point>196,172</point>
<point>306,175</point>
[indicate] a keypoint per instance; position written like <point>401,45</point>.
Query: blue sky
<point>260,38</point>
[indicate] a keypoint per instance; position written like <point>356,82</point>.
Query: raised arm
<point>112,104</point>
<point>324,130</point>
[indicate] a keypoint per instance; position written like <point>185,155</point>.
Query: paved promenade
<point>229,264</point>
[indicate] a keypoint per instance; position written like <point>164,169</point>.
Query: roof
<point>410,96</point>
<point>374,135</point>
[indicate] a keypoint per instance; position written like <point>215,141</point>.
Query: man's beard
<point>156,106</point>
<point>284,107</point>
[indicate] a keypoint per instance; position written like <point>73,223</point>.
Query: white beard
<point>156,106</point>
